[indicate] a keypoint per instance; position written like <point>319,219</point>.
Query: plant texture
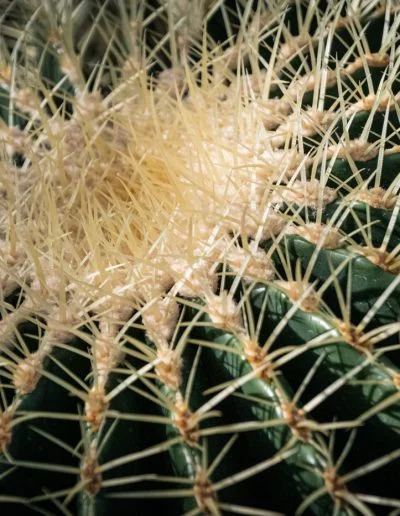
<point>199,257</point>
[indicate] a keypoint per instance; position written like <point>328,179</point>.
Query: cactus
<point>199,257</point>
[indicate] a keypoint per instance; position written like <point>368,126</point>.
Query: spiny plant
<point>199,256</point>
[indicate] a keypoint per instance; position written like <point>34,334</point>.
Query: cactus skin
<point>199,258</point>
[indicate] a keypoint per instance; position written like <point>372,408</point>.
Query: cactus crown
<point>199,257</point>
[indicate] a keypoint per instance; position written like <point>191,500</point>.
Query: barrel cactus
<point>199,257</point>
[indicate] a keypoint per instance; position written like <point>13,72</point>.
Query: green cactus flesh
<point>199,257</point>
